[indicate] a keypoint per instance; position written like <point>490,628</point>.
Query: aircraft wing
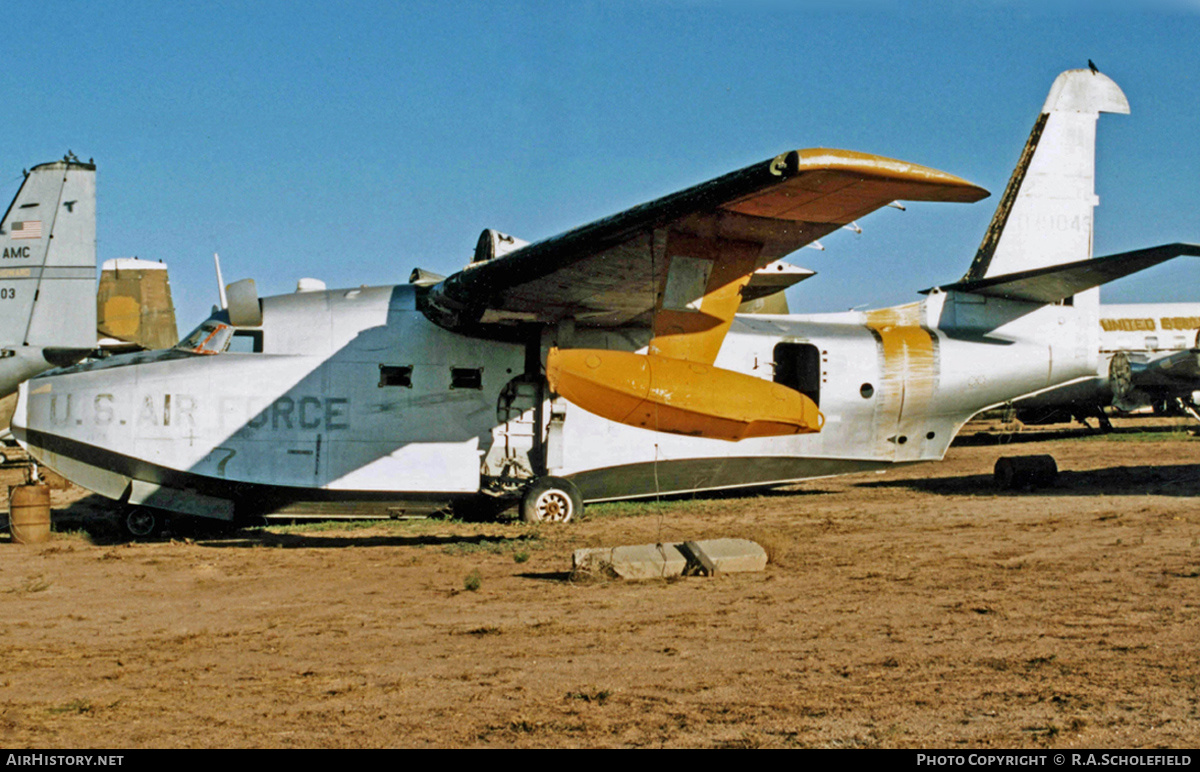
<point>611,272</point>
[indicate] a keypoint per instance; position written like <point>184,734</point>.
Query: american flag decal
<point>29,229</point>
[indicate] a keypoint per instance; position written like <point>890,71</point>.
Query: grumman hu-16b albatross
<point>606,362</point>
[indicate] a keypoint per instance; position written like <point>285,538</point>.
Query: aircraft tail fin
<point>1044,217</point>
<point>48,259</point>
<point>133,304</point>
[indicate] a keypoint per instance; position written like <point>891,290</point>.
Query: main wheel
<point>551,500</point>
<point>143,522</point>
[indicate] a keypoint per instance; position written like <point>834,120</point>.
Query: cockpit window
<point>216,337</point>
<point>209,338</point>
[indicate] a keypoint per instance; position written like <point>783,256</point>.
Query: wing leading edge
<point>609,273</point>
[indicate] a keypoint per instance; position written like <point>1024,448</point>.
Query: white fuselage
<point>356,395</point>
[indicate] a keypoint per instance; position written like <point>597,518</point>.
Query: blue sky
<point>353,141</point>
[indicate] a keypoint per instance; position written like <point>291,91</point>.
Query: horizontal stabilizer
<point>1058,282</point>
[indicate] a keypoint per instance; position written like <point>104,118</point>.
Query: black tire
<point>1015,472</point>
<point>551,500</point>
<point>1004,473</point>
<point>143,522</point>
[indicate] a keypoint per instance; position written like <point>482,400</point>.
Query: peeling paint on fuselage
<point>908,361</point>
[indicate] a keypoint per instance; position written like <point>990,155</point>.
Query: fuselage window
<point>395,375</point>
<point>466,378</point>
<point>798,366</point>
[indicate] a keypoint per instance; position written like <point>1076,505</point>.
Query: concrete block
<point>654,561</point>
<point>640,561</point>
<point>728,555</point>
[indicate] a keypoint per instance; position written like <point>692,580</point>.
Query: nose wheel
<point>551,500</point>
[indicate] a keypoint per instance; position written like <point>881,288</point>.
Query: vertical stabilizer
<point>48,259</point>
<point>1045,215</point>
<point>134,305</point>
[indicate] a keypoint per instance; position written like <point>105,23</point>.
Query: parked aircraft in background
<point>606,362</point>
<point>134,312</point>
<point>134,309</point>
<point>50,311</point>
<point>48,271</point>
<point>1149,357</point>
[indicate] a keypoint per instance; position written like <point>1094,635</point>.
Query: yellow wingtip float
<point>680,397</point>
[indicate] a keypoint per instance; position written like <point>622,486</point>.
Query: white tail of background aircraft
<point>48,271</point>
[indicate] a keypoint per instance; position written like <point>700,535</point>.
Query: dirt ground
<point>921,607</point>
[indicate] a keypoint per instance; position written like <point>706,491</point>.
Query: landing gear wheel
<point>142,522</point>
<point>551,500</point>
